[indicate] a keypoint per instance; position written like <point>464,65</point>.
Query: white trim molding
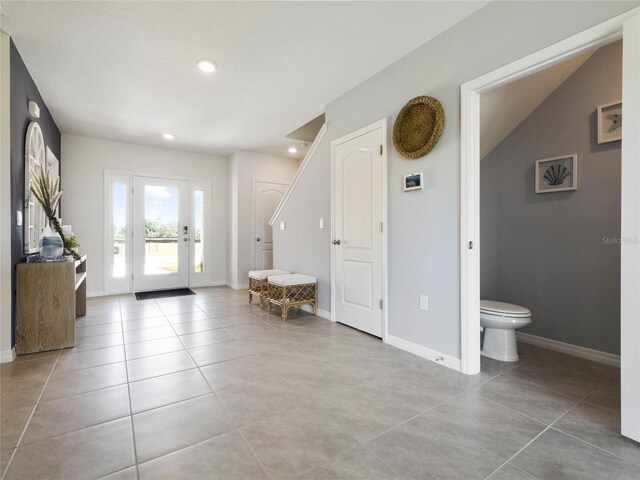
<point>7,356</point>
<point>630,232</point>
<point>299,173</point>
<point>424,352</point>
<point>569,349</point>
<point>237,286</point>
<point>320,313</point>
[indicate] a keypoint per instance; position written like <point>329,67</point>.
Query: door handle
<point>185,239</point>
<point>258,239</point>
<point>336,242</point>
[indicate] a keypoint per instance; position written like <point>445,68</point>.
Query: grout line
<point>33,411</point>
<point>131,424</point>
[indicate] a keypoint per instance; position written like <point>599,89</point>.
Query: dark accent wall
<point>23,89</point>
<point>549,252</point>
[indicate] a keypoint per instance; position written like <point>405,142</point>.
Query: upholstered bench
<point>258,283</point>
<point>293,290</point>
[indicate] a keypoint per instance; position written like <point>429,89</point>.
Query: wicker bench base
<point>260,289</point>
<point>287,296</point>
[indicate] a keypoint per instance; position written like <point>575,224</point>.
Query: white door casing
<point>358,206</point>
<point>267,195</point>
<point>157,270</point>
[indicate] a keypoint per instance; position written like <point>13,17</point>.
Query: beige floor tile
<point>102,329</point>
<point>423,449</point>
<point>64,415</point>
<point>366,411</point>
<point>167,389</point>
<point>196,326</point>
<point>150,322</point>
<point>5,456</point>
<point>156,365</point>
<point>601,428</point>
<point>292,443</point>
<point>187,317</point>
<point>126,474</point>
<point>226,457</point>
<point>66,384</point>
<point>359,463</point>
<point>99,341</point>
<point>219,352</point>
<point>84,454</point>
<point>205,338</point>
<point>554,456</point>
<point>256,401</point>
<point>153,347</point>
<point>77,360</point>
<point>13,421</point>
<point>146,334</point>
<point>167,429</point>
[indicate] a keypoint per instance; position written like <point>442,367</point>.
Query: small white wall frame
<point>625,26</point>
<point>562,161</point>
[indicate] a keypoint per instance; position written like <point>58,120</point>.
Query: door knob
<point>258,239</point>
<point>336,242</point>
<point>185,239</point>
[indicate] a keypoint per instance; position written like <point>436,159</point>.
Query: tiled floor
<point>208,387</point>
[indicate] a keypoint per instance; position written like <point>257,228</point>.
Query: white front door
<point>358,238</point>
<point>267,197</point>
<point>160,233</point>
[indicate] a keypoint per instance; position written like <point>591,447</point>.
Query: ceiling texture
<point>126,70</point>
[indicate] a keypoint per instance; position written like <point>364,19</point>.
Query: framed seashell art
<point>610,122</point>
<point>557,174</point>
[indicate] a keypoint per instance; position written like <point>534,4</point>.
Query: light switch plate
<point>322,222</point>
<point>282,225</point>
<point>19,218</point>
<point>424,302</point>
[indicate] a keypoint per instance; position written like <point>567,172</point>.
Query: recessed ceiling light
<point>168,136</point>
<point>206,65</point>
<point>293,149</point>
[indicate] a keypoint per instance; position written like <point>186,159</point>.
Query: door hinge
<point>381,227</point>
<point>380,149</point>
<point>381,304</point>
<point>470,245</point>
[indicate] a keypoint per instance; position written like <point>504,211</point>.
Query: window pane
<point>161,230</point>
<point>119,230</point>
<point>198,260</point>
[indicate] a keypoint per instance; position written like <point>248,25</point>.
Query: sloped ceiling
<point>503,109</point>
<point>126,70</point>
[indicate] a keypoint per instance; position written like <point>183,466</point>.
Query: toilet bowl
<point>500,321</point>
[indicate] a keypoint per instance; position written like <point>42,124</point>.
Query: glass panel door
<point>160,233</point>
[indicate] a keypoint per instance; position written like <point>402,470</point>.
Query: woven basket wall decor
<point>418,127</point>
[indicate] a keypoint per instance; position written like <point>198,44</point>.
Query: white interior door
<point>160,233</point>
<point>267,197</point>
<point>358,238</point>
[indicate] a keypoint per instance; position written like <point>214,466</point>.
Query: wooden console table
<point>50,295</point>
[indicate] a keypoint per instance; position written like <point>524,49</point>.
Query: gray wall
<point>23,89</point>
<point>424,228</point>
<point>546,251</point>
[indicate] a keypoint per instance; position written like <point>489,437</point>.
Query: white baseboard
<point>425,352</point>
<point>569,349</point>
<point>8,355</point>
<point>218,283</point>
<point>321,313</point>
<point>97,293</point>
<point>237,286</point>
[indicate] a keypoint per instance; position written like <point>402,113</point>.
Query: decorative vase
<point>51,243</point>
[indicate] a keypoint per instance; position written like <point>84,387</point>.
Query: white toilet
<point>500,321</point>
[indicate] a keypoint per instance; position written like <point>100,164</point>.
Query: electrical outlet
<point>322,222</point>
<point>282,225</point>
<point>19,218</point>
<point>424,302</point>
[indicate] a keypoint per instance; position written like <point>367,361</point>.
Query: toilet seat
<point>502,309</point>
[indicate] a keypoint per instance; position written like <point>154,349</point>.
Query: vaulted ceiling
<point>126,70</point>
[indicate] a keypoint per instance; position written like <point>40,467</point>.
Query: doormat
<point>176,292</point>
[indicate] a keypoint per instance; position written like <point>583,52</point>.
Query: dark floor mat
<point>176,292</point>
